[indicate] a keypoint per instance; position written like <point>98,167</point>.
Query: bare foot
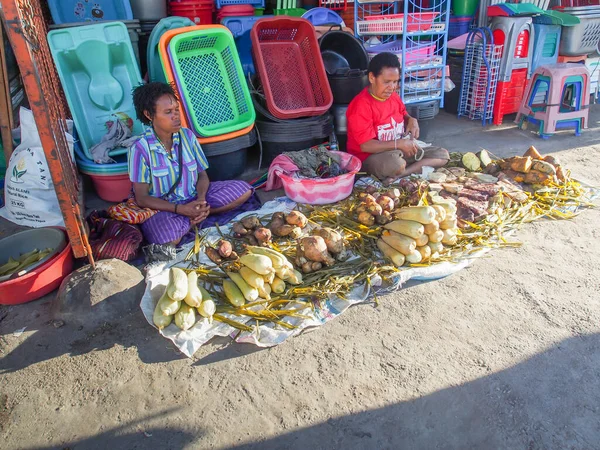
<point>387,181</point>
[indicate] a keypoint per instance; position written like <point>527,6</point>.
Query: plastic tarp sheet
<point>269,335</point>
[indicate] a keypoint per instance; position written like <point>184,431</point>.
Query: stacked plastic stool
<point>516,34</point>
<point>593,66</point>
<point>545,44</point>
<point>565,101</point>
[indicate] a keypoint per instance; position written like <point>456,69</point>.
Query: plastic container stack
<point>73,11</point>
<point>239,8</point>
<point>198,11</point>
<point>517,36</point>
<point>149,13</point>
<point>203,63</point>
<point>346,62</point>
<point>582,38</point>
<point>98,69</point>
<point>459,25</point>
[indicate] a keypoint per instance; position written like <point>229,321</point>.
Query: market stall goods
<point>296,280</point>
<point>180,299</point>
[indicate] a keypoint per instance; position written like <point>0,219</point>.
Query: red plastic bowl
<point>320,191</point>
<point>40,281</point>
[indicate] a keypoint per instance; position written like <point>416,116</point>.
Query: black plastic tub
<point>347,46</point>
<point>346,87</point>
<point>228,159</point>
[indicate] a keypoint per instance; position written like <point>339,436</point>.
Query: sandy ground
<point>504,354</point>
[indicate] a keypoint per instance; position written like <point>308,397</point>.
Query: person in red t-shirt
<point>378,121</point>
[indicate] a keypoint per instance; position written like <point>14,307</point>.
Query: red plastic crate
<point>509,95</point>
<point>289,64</point>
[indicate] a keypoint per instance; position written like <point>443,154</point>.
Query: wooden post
<point>26,31</point>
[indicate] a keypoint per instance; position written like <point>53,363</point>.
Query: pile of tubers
<point>419,233</point>
<point>323,248</point>
<point>221,253</point>
<point>289,225</point>
<point>182,298</point>
<point>263,271</point>
<point>281,225</point>
<point>252,230</point>
<point>377,209</point>
<point>533,168</point>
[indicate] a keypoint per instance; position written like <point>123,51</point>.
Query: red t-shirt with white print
<point>369,118</point>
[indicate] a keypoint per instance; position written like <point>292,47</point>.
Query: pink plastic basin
<point>320,191</point>
<point>112,188</point>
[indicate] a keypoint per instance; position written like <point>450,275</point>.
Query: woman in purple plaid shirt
<point>154,169</point>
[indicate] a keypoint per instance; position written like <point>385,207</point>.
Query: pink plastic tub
<point>320,191</point>
<point>112,188</point>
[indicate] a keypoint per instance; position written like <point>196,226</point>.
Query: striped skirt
<point>164,227</point>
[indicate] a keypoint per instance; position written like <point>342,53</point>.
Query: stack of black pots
<point>346,62</point>
<point>228,159</point>
<point>278,136</point>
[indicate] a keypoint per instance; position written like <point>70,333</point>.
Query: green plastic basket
<point>208,72</point>
<point>292,12</point>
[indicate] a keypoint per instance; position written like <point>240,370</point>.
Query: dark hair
<point>145,97</point>
<point>382,61</point>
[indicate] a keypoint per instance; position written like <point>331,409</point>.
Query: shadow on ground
<point>550,401</point>
<point>48,342</point>
<point>141,436</point>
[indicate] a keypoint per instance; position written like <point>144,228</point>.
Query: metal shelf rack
<point>415,24</point>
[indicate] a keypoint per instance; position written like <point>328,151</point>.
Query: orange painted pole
<point>27,34</point>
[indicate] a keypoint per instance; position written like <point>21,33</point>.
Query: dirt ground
<point>504,354</point>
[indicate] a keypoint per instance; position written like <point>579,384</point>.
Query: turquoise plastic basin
<point>98,70</point>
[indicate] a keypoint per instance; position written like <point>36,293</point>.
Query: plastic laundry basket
<point>320,191</point>
<point>209,75</point>
<point>289,64</point>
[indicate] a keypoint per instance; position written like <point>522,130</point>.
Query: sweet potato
<point>544,167</point>
<point>224,248</point>
<point>213,255</point>
<point>239,230</point>
<point>386,203</point>
<point>296,218</point>
<point>537,177</point>
<point>250,222</point>
<point>521,164</point>
<point>533,153</point>
<point>262,235</point>
<point>366,218</point>
<point>552,160</point>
